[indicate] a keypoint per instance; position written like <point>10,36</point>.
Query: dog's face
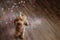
<point>20,21</point>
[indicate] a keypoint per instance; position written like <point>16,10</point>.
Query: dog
<point>20,22</point>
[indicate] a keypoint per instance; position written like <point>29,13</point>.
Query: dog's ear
<point>26,23</point>
<point>15,21</point>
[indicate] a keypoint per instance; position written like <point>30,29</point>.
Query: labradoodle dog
<point>20,22</point>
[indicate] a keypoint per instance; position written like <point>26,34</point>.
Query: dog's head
<point>21,20</point>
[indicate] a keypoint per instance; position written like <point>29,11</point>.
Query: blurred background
<point>43,17</point>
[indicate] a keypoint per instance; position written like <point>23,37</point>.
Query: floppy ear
<point>26,23</point>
